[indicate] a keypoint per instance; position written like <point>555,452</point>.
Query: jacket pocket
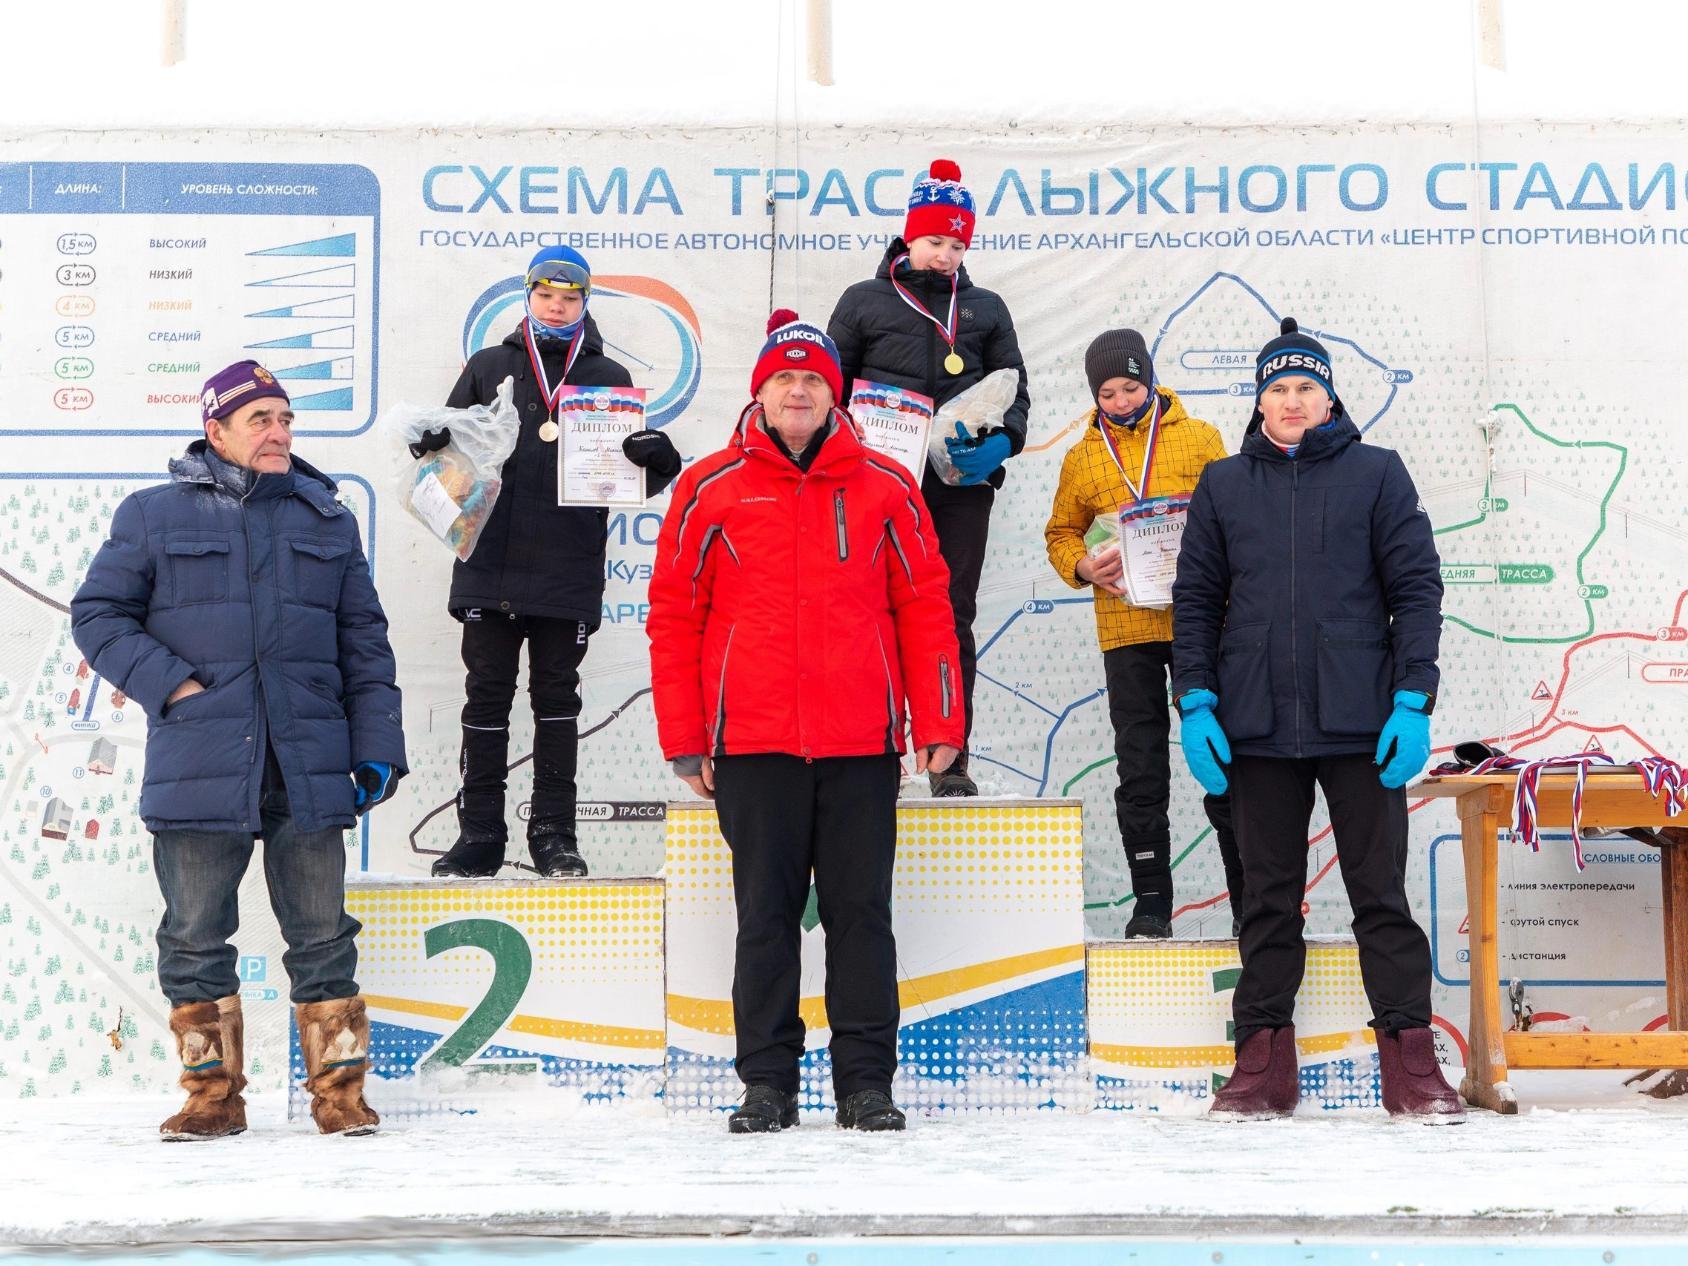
<point>318,568</point>
<point>1245,681</point>
<point>199,571</point>
<point>1355,668</point>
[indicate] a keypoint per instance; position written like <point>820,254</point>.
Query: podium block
<point>480,987</point>
<point>1161,1035</point>
<point>988,907</point>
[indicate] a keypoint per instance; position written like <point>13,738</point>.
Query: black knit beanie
<point>1118,354</point>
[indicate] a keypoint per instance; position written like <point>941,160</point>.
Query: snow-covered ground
<point>1601,1160</point>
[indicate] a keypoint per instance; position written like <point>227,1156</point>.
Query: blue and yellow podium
<point>621,989</point>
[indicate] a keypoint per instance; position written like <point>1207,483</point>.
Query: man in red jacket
<point>798,601</point>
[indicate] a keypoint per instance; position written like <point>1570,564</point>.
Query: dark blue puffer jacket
<point>266,600</point>
<point>1308,592</point>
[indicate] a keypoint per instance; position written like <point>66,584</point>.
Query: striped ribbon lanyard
<point>946,327</point>
<point>551,395</point>
<point>1524,798</point>
<point>1139,490</point>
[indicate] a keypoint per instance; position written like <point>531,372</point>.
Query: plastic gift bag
<point>452,490</point>
<point>979,408</point>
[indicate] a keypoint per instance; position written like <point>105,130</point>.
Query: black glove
<point>430,442</point>
<point>374,781</point>
<point>656,453</point>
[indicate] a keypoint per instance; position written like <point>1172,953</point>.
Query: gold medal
<point>548,430</point>
<point>953,362</point>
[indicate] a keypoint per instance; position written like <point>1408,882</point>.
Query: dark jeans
<point>199,873</point>
<point>1142,716</point>
<point>1272,798</point>
<point>962,519</point>
<point>492,648</point>
<point>784,817</point>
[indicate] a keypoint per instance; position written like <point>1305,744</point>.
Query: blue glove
<point>373,781</point>
<point>1408,732</point>
<point>1206,748</point>
<point>978,459</point>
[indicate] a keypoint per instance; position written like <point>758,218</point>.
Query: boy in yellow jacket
<point>1138,443</point>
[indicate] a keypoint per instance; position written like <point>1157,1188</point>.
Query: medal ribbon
<point>946,327</point>
<point>549,395</point>
<point>1139,490</point>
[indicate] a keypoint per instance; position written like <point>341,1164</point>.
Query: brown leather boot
<point>1413,1085</point>
<point>1266,1082</point>
<point>210,1041</point>
<point>335,1038</point>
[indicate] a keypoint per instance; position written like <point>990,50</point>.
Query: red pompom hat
<point>794,344</point>
<point>940,204</point>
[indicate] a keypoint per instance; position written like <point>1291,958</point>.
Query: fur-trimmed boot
<point>211,1042</point>
<point>1265,1083</point>
<point>1413,1085</point>
<point>335,1038</point>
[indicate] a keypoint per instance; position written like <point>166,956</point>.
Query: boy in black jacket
<point>537,575</point>
<point>922,325</point>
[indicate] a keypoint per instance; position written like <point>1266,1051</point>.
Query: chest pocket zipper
<point>843,533</point>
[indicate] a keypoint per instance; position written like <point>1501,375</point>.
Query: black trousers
<point>1142,715</point>
<point>962,519</point>
<point>1272,798</point>
<point>784,817</point>
<point>492,647</point>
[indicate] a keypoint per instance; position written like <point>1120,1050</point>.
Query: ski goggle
<point>559,274</point>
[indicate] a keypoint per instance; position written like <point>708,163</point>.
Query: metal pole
<point>1490,37</point>
<point>170,49</point>
<point>820,42</point>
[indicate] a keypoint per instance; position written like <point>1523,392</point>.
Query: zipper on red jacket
<point>843,534</point>
<point>721,697</point>
<point>944,685</point>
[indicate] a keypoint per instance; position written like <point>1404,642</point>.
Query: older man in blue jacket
<point>234,603</point>
<point>1307,614</point>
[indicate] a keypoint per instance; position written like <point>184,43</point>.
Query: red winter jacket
<point>793,612</point>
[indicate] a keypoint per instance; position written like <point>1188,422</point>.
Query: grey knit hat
<point>1118,354</point>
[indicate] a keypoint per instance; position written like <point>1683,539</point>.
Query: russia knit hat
<point>1293,353</point>
<point>795,344</point>
<point>1118,354</point>
<point>940,205</point>
<point>241,383</point>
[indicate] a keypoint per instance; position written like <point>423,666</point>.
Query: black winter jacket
<point>534,556</point>
<point>880,340</point>
<point>1308,592</point>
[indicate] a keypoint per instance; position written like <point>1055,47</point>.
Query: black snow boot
<point>954,781</point>
<point>557,857</point>
<point>1146,926</point>
<point>470,859</point>
<point>869,1110</point>
<point>765,1110</point>
<point>1151,881</point>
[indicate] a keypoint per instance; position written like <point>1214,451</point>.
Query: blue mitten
<point>373,782</point>
<point>977,459</point>
<point>1407,732</point>
<point>1206,749</point>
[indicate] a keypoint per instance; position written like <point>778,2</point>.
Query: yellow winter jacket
<point>1091,486</point>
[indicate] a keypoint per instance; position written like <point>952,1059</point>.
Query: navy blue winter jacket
<point>1308,592</point>
<point>267,602</point>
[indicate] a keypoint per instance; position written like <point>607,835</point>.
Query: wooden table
<point>1609,800</point>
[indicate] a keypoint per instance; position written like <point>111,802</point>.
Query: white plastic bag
<point>980,407</point>
<point>452,490</point>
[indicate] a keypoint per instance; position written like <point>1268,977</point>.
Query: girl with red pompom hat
<point>921,324</point>
<point>801,635</point>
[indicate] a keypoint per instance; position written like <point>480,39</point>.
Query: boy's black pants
<point>1142,719</point>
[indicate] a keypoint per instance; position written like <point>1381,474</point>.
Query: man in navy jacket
<point>1306,621</point>
<point>235,605</point>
